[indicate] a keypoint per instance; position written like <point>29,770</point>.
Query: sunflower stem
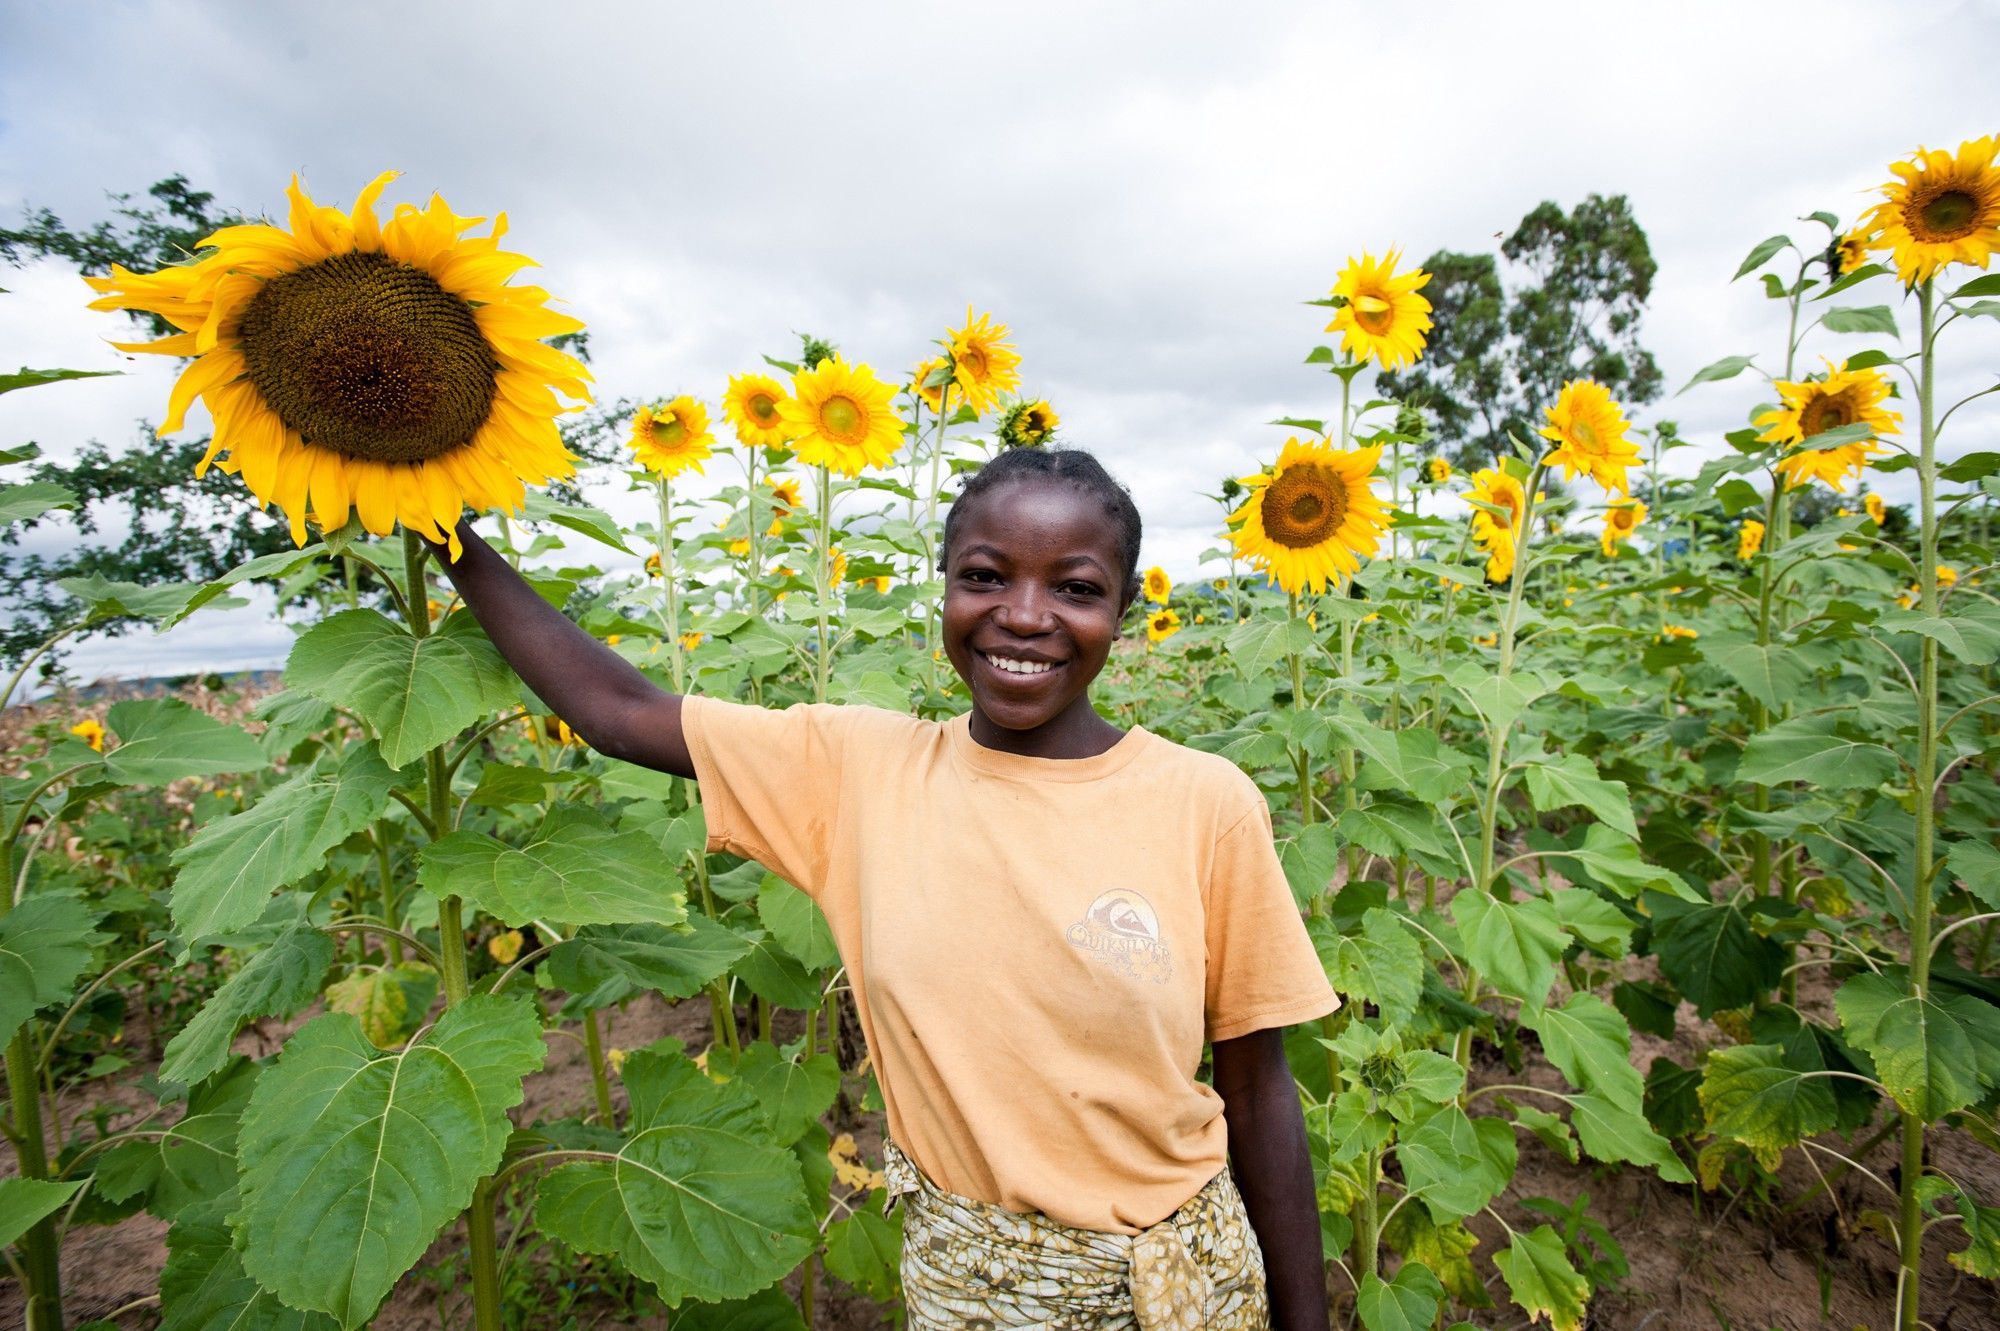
<point>1922,788</point>
<point>479,1227</point>
<point>1301,761</point>
<point>931,534</point>
<point>41,1251</point>
<point>823,579</point>
<point>675,656</point>
<point>1496,736</point>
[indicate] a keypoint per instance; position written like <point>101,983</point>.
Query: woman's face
<point>1033,595</point>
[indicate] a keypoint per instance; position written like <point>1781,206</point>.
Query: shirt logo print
<point>1122,930</point>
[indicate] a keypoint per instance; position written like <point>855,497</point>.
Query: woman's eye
<point>1081,589</point>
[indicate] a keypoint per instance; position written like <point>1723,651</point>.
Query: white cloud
<point>1145,192</point>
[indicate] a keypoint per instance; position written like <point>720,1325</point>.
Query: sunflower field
<point>1650,833</point>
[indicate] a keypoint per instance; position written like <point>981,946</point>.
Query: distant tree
<point>1496,357</point>
<point>175,526</point>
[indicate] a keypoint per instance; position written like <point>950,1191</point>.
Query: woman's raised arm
<point>603,697</point>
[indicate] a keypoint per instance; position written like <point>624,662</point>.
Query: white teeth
<point>1014,667</point>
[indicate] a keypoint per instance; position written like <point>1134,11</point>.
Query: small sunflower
<point>352,365</point>
<point>933,395</point>
<point>1813,406</point>
<point>1159,587</point>
<point>982,361</point>
<point>840,415</point>
<point>1620,521</point>
<point>1877,508</point>
<point>653,565</point>
<point>880,584</point>
<point>1496,537</point>
<point>505,947</point>
<point>1589,430</point>
<point>1849,253</point>
<point>751,404</point>
<point>1749,540</point>
<point>1668,632</point>
<point>691,640</point>
<point>1311,518</point>
<point>1028,424</point>
<point>557,729</point>
<point>91,732</point>
<point>1220,584</point>
<point>672,436</point>
<point>1161,625</point>
<point>1437,471</point>
<point>786,500</point>
<point>1384,318</point>
<point>1942,208</point>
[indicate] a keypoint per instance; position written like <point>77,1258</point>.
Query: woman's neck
<point>1077,732</point>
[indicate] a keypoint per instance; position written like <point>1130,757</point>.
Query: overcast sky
<point>1144,192</point>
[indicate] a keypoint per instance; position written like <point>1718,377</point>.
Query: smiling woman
<point>1036,973</point>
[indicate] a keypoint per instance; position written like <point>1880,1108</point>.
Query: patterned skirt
<point>971,1264</point>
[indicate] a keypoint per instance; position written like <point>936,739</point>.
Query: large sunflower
<point>356,365</point>
<point>1162,624</point>
<point>840,414</point>
<point>1941,209</point>
<point>1310,519</point>
<point>1159,588</point>
<point>1749,540</point>
<point>1589,430</point>
<point>982,362</point>
<point>1384,318</point>
<point>1813,406</point>
<point>1620,521</point>
<point>672,436</point>
<point>751,404</point>
<point>1498,537</point>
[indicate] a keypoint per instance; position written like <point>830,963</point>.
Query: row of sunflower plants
<point>1755,792</point>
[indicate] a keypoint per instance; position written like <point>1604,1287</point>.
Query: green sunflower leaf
<point>1539,1276</point>
<point>1934,1055</point>
<point>277,979</point>
<point>164,739</point>
<point>1408,1303</point>
<point>700,1201</point>
<point>416,692</point>
<point>45,942</point>
<point>361,1156</point>
<point>234,864</point>
<point>577,873</point>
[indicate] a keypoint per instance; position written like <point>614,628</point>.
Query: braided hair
<point>1069,466</point>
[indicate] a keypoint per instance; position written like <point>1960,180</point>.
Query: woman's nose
<point>1025,610</point>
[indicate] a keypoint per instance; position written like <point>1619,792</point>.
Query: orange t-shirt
<point>1038,947</point>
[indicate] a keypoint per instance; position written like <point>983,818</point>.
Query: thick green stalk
<point>479,1228</point>
<point>41,1252</point>
<point>1921,788</point>
<point>1368,1228</point>
<point>600,1084</point>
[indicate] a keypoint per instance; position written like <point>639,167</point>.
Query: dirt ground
<point>1698,1262</point>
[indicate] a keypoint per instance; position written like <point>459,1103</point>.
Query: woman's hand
<point>1268,1151</point>
<point>603,697</point>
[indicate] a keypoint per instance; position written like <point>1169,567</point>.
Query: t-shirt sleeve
<point>1262,967</point>
<point>770,781</point>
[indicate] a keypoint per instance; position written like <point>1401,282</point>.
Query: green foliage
<point>360,1156</point>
